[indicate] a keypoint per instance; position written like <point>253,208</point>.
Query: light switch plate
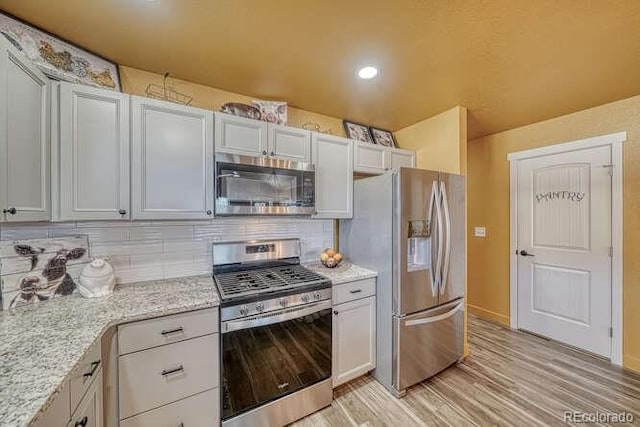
<point>480,232</point>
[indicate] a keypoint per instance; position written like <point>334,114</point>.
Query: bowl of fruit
<point>330,258</point>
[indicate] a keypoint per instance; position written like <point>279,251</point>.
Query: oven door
<point>268,356</point>
<point>260,185</point>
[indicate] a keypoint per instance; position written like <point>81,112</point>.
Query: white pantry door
<point>564,240</point>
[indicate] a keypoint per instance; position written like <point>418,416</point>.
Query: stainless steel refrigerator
<point>409,226</point>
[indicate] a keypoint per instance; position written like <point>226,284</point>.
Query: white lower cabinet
<point>169,384</point>
<point>89,411</point>
<point>201,410</point>
<point>354,336</point>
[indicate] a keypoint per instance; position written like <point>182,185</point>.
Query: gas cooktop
<point>255,281</point>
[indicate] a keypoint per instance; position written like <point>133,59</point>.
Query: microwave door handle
<point>432,272</point>
<point>447,251</point>
<point>432,319</point>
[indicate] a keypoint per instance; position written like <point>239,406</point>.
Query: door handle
<point>11,211</point>
<point>524,253</point>
<point>433,226</point>
<point>444,275</point>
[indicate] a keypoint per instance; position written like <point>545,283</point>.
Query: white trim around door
<point>615,141</point>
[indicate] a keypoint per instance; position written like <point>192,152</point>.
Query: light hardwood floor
<point>511,378</point>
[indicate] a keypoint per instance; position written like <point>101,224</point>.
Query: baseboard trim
<point>490,315</point>
<point>631,363</point>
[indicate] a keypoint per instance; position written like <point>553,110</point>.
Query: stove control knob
<point>244,310</point>
<point>260,306</point>
<point>316,296</point>
<point>284,302</point>
<point>305,298</point>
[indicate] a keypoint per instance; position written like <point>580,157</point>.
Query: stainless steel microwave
<point>247,185</point>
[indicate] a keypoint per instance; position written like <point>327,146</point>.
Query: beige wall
<point>136,81</point>
<point>488,205</point>
<point>440,141</point>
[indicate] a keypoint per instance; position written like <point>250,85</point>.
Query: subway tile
<point>139,275</point>
<point>191,245</point>
<point>161,232</point>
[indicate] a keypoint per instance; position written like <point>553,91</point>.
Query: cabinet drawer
<point>166,330</point>
<point>85,374</point>
<point>201,410</point>
<point>155,377</point>
<point>346,292</point>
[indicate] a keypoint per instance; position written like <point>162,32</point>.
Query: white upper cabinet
<point>401,159</point>
<point>375,159</point>
<point>369,158</point>
<point>248,137</point>
<point>333,158</point>
<point>24,138</point>
<point>172,160</point>
<point>93,153</point>
<point>239,135</point>
<point>289,143</point>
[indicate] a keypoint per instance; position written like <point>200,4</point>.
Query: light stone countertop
<point>342,274</point>
<point>40,344</point>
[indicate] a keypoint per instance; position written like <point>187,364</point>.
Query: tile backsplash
<point>152,250</point>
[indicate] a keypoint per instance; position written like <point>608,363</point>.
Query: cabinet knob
<point>82,423</point>
<point>272,154</point>
<point>11,211</point>
<point>264,152</point>
<point>209,212</point>
<point>335,312</point>
<point>122,212</point>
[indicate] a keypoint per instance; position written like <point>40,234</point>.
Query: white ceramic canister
<point>97,279</point>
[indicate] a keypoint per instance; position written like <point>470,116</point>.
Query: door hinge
<point>610,168</point>
<point>611,332</point>
<point>610,251</point>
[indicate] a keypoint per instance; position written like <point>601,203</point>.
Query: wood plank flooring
<point>511,379</point>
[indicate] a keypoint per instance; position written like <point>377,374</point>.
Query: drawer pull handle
<point>177,370</point>
<point>82,423</point>
<point>356,291</point>
<point>178,330</point>
<point>94,368</point>
<point>283,385</point>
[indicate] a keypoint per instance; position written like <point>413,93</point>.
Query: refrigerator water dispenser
<point>419,246</point>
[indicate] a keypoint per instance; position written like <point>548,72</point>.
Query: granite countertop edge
<point>29,416</point>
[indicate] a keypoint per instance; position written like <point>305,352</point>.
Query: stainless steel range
<point>276,333</point>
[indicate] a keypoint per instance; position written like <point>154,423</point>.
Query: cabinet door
<point>58,411</point>
<point>333,158</point>
<point>89,412</point>
<point>401,159</point>
<point>238,135</point>
<point>172,160</point>
<point>354,339</point>
<point>94,153</point>
<point>24,138</point>
<point>369,158</point>
<point>289,143</point>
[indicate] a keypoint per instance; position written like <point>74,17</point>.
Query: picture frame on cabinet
<point>57,58</point>
<point>357,131</point>
<point>383,137</point>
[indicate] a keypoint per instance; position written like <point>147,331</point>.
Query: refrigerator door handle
<point>437,318</point>
<point>447,252</point>
<point>433,203</point>
<point>438,269</point>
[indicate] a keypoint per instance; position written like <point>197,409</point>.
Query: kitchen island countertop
<point>41,344</point>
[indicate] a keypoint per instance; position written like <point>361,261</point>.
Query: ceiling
<point>510,62</point>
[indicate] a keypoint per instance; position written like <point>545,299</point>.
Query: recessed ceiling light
<point>367,72</point>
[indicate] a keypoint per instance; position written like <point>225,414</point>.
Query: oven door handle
<point>274,317</point>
